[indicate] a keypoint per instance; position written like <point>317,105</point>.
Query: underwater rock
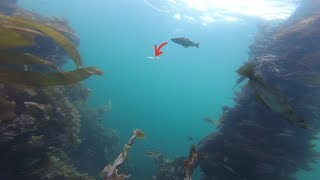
<point>180,168</point>
<point>171,169</point>
<point>98,144</point>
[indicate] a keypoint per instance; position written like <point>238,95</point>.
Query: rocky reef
<point>46,129</point>
<point>270,131</point>
<point>179,168</point>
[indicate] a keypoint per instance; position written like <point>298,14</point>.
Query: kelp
<point>38,79</point>
<point>42,107</point>
<point>14,23</point>
<point>9,89</point>
<point>8,57</point>
<point>28,34</point>
<point>302,27</point>
<point>190,163</point>
<point>11,39</point>
<point>16,32</point>
<point>246,70</point>
<point>110,172</point>
<point>34,120</point>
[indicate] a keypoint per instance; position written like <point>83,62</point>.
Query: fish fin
<point>197,44</point>
<point>185,46</point>
<point>246,70</point>
<point>261,101</point>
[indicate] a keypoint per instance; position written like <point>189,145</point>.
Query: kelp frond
<point>190,162</point>
<point>11,39</point>
<point>110,172</point>
<point>15,23</point>
<point>138,133</point>
<point>8,57</point>
<point>38,79</point>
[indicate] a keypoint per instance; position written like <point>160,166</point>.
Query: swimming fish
<point>185,42</point>
<point>271,98</point>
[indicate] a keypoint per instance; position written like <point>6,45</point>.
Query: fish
<point>270,98</point>
<point>185,42</point>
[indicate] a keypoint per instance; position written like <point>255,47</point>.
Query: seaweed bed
<point>46,131</point>
<point>254,142</point>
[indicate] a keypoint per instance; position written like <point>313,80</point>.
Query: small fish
<point>185,42</point>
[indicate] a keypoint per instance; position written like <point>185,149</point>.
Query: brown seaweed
<point>11,22</point>
<point>8,57</point>
<point>11,39</point>
<point>190,163</point>
<point>110,172</point>
<point>38,79</point>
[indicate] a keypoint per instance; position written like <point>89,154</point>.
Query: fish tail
<point>197,44</point>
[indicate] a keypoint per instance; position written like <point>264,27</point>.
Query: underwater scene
<point>159,89</point>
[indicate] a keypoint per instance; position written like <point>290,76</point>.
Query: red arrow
<point>157,51</point>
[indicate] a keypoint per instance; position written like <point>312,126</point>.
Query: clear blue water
<point>166,98</point>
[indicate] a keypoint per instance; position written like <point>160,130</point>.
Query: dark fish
<point>271,98</point>
<point>185,42</point>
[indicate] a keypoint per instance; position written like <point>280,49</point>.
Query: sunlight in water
<point>208,11</point>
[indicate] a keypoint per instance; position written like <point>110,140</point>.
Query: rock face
<point>254,142</point>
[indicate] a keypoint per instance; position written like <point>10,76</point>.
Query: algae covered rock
<point>255,141</point>
<point>43,113</point>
